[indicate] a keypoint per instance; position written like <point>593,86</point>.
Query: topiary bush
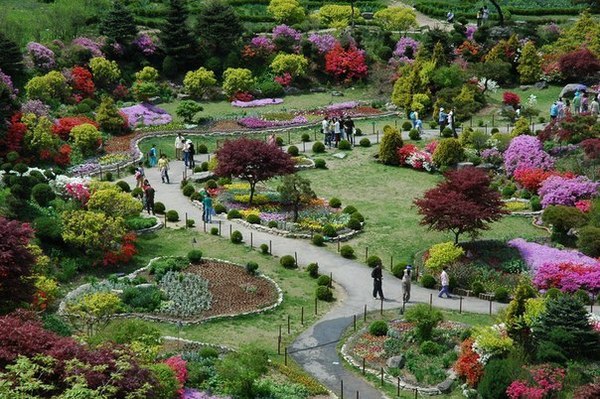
<point>414,134</point>
<point>124,186</point>
<point>477,288</point>
<point>288,261</point>
<point>364,142</point>
<point>447,132</point>
<point>443,254</point>
<point>345,145</point>
<point>502,295</point>
<point>388,150</point>
<point>358,216</point>
<point>159,208</point>
<point>563,219</point>
<point>305,137</point>
<point>428,281</point>
<point>210,184</point>
<point>318,147</point>
<point>347,252</point>
<point>264,249</point>
<point>407,125</point>
<point>354,224</point>
<point>335,202</point>
<point>430,348</point>
<point>318,240</point>
<point>219,208</point>
<point>373,261</point>
<point>329,231</point>
<point>324,280</point>
<point>204,166</point>
<point>448,152</point>
<point>379,328</point>
<point>236,237</point>
<point>279,141</point>
<point>272,224</point>
<point>42,193</point>
<point>324,294</point>
<point>214,231</point>
<point>190,223</point>
<point>188,190</point>
<point>398,269</point>
<point>320,163</point>
<point>234,214</point>
<point>172,215</point>
<point>313,270</point>
<point>253,218</point>
<point>251,267</point>
<point>582,296</point>
<point>349,210</point>
<point>202,149</point>
<point>293,150</point>
<point>195,256</point>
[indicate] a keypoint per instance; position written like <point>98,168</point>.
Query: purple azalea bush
<point>568,277</point>
<point>94,47</point>
<point>537,255</point>
<point>254,122</point>
<point>526,152</point>
<point>558,190</point>
<point>406,50</point>
<point>146,114</point>
<point>257,103</point>
<point>40,57</point>
<point>145,43</point>
<point>471,29</point>
<point>4,78</point>
<point>36,107</point>
<point>285,32</point>
<point>190,393</point>
<point>342,106</point>
<point>491,155</point>
<point>263,43</point>
<point>323,43</point>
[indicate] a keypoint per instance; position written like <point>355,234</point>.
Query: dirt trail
<point>423,20</point>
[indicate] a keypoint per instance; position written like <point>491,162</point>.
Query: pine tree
<point>219,28</point>
<point>176,36</point>
<point>11,59</point>
<point>118,24</point>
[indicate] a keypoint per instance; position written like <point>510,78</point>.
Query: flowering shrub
<point>323,43</point>
<point>124,254</point>
<point>4,78</point>
<point>189,393</point>
<point>471,29</point>
<point>510,98</point>
<point>257,103</point>
<point>82,82</point>
<point>526,152</point>
<point>94,47</point>
<point>532,178</point>
<point>63,126</point>
<point>285,79</point>
<point>78,191</point>
<point>40,57</point>
<point>145,44</point>
<point>36,107</point>
<point>178,365</point>
<point>558,190</point>
<point>491,341</point>
<point>254,122</point>
<point>410,155</point>
<point>146,114</point>
<point>584,205</point>
<point>443,254</point>
<point>537,255</point>
<point>468,365</point>
<point>405,51</point>
<point>568,277</point>
<point>285,32</point>
<point>546,381</point>
<point>342,106</point>
<point>491,155</point>
<point>15,134</point>
<point>346,65</point>
<point>431,146</point>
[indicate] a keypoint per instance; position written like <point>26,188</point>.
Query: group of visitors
<point>447,120</point>
<point>483,14</point>
<point>335,129</point>
<point>184,149</point>
<point>580,105</point>
<point>377,276</point>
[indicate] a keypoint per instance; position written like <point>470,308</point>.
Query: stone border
<point>522,213</point>
<point>159,225</point>
<point>221,348</point>
<point>429,391</point>
<point>76,292</point>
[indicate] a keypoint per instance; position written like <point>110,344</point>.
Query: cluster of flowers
<point>537,255</point>
<point>257,103</point>
<point>254,122</point>
<point>547,380</point>
<point>491,155</point>
<point>85,169</point>
<point>286,32</point>
<point>4,78</point>
<point>145,44</point>
<point>78,191</point>
<point>468,365</point>
<point>406,50</point>
<point>36,107</point>
<point>146,114</point>
<point>124,254</point>
<point>94,47</point>
<point>260,46</point>
<point>526,152</point>
<point>342,106</point>
<point>190,393</point>
<point>323,43</point>
<point>411,155</point>
<point>559,190</point>
<point>40,57</point>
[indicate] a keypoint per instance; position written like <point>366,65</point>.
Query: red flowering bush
<point>468,366</point>
<point>178,365</point>
<point>243,96</point>
<point>124,254</point>
<point>591,148</point>
<point>346,65</point>
<point>284,80</point>
<point>510,98</point>
<point>406,151</point>
<point>120,92</point>
<point>82,83</point>
<point>545,381</point>
<point>63,156</point>
<point>584,205</point>
<point>591,390</point>
<point>531,179</point>
<point>63,126</point>
<point>578,64</point>
<point>16,131</point>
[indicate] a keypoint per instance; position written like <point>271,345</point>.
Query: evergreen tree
<point>11,59</point>
<point>219,28</point>
<point>118,24</point>
<point>176,37</point>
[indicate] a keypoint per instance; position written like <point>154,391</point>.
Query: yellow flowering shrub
<point>443,254</point>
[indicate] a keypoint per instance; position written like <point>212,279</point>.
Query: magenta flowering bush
<point>537,255</point>
<point>190,393</point>
<point>406,50</point>
<point>4,78</point>
<point>146,114</point>
<point>40,57</point>
<point>471,29</point>
<point>558,190</point>
<point>526,152</point>
<point>145,43</point>
<point>323,43</point>
<point>254,122</point>
<point>492,156</point>
<point>36,107</point>
<point>257,103</point>
<point>287,33</point>
<point>544,382</point>
<point>568,277</point>
<point>94,47</point>
<point>263,44</point>
<point>343,106</point>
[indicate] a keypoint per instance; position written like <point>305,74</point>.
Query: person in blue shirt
<point>554,110</point>
<point>207,208</point>
<point>152,156</point>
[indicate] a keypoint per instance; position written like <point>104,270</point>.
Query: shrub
<point>425,320</point>
<point>358,216</point>
<point>430,348</point>
<point>477,288</point>
<point>159,208</point>
<point>349,209</point>
<point>264,249</point>
<point>497,376</point>
<point>407,125</point>
<point>582,296</point>
<point>55,324</point>
<point>536,203</point>
<point>139,223</point>
<point>167,383</point>
<point>214,231</point>
<point>324,280</point>
<point>197,169</point>
<point>379,328</point>
<point>447,133</point>
<point>448,152</point>
<point>305,137</point>
<point>502,295</point>
<point>442,255</point>
<point>318,147</point>
<point>365,142</point>
<point>589,241</point>
<point>320,163</point>
<point>398,269</point>
<point>253,218</point>
<point>293,150</point>
<point>188,190</point>
<point>553,293</point>
<point>324,294</point>
<point>388,150</point>
<point>161,266</point>
<point>204,166</point>
<point>146,299</point>
<point>373,261</point>
<point>211,184</point>
<point>344,145</point>
<point>347,252</point>
<point>313,270</point>
<point>335,202</point>
<point>236,237</point>
<point>414,135</point>
<point>288,261</point>
<point>124,186</point>
<point>202,149</point>
<point>220,208</point>
<point>194,256</point>
<point>272,224</point>
<point>251,267</point>
<point>318,240</point>
<point>354,224</point>
<point>42,194</point>
<point>563,219</point>
<point>234,214</point>
<point>428,281</point>
<point>172,216</point>
<point>279,141</point>
<point>329,230</point>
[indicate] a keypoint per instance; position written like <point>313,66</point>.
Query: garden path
<point>315,348</point>
<point>424,20</point>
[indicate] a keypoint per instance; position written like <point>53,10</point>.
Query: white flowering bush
<point>187,294</point>
<point>487,84</point>
<point>491,341</point>
<point>59,184</point>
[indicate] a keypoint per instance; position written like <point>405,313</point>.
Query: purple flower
<point>254,122</point>
<point>190,393</point>
<point>36,107</point>
<point>323,43</point>
<point>526,152</point>
<point>537,255</point>
<point>94,47</point>
<point>263,43</point>
<point>4,78</point>
<point>145,44</point>
<point>285,32</point>
<point>342,106</point>
<point>406,47</point>
<point>491,155</point>
<point>471,29</point>
<point>257,103</point>
<point>146,114</point>
<point>40,57</point>
<point>558,190</point>
<point>85,169</point>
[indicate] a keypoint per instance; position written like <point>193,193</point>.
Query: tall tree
<point>118,24</point>
<point>219,28</point>
<point>11,59</point>
<point>176,36</point>
<point>463,203</point>
<point>295,190</point>
<point>500,15</point>
<point>253,161</point>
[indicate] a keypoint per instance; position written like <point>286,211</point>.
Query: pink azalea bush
<point>257,103</point>
<point>286,32</point>
<point>95,48</point>
<point>526,152</point>
<point>491,155</point>
<point>342,106</point>
<point>559,190</point>
<point>254,122</point>
<point>179,366</point>
<point>568,277</point>
<point>146,114</point>
<point>547,380</point>
<point>411,155</point>
<point>78,191</point>
<point>145,44</point>
<point>406,50</point>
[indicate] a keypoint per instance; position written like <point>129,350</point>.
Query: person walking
<point>406,284</point>
<point>139,175</point>
<point>485,15</point>
<point>577,102</point>
<point>272,140</point>
<point>163,167</point>
<point>595,107</point>
<point>451,123</point>
<point>152,156</point>
<point>554,110</point>
<point>179,142</point>
<point>377,276</point>
<point>207,208</point>
<point>186,152</point>
<point>349,128</point>
<point>584,104</point>
<point>479,17</point>
<point>442,120</point>
<point>445,280</point>
<point>191,153</point>
<point>148,197</point>
<point>337,132</point>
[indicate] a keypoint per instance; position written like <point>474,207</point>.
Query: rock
<point>292,90</point>
<point>155,100</point>
<point>572,88</point>
<point>182,96</point>
<point>318,90</point>
<point>367,15</point>
<point>340,155</point>
<point>202,176</point>
<point>396,361</point>
<point>542,84</point>
<point>525,87</point>
<point>336,93</point>
<point>391,107</point>
<point>462,165</point>
<point>486,166</point>
<point>446,385</point>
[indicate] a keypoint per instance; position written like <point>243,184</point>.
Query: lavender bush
<point>36,107</point>
<point>257,103</point>
<point>145,43</point>
<point>406,50</point>
<point>558,190</point>
<point>285,32</point>
<point>190,393</point>
<point>323,43</point>
<point>263,43</point>
<point>146,114</point>
<point>95,48</point>
<point>526,152</point>
<point>537,255</point>
<point>40,57</point>
<point>4,78</point>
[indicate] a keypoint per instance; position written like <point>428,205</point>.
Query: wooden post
<point>490,307</point>
<point>316,305</point>
<point>338,244</point>
<point>302,315</point>
<point>219,227</point>
<point>296,258</point>
<point>289,138</point>
<point>382,376</point>
<point>366,253</point>
<point>165,220</point>
<point>365,314</point>
<point>186,219</point>
<point>270,247</point>
<point>354,323</point>
<point>391,262</point>
<point>204,226</point>
<point>251,240</point>
<point>341,389</point>
<point>279,341</point>
<point>373,127</point>
<point>285,356</point>
<point>363,366</point>
<point>460,305</point>
<point>378,137</point>
<point>398,384</point>
<point>118,171</point>
<point>289,326</point>
<point>381,307</point>
<point>430,301</point>
<point>303,146</point>
<point>230,230</point>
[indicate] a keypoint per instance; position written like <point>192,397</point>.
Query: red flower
<point>64,125</point>
<point>83,85</point>
<point>510,98</point>
<point>346,65</point>
<point>468,365</point>
<point>406,151</point>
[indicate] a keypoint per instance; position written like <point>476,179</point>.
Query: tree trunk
<point>296,211</point>
<point>500,15</point>
<point>252,186</point>
<point>456,234</point>
<point>352,15</point>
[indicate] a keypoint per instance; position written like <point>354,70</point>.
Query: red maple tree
<point>82,83</point>
<point>578,64</point>
<point>463,203</point>
<point>346,64</point>
<point>253,161</point>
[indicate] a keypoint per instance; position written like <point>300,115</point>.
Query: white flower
<point>488,84</point>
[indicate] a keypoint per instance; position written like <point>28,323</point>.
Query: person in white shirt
<point>325,130</point>
<point>186,152</point>
<point>445,283</point>
<point>179,141</point>
<point>406,284</point>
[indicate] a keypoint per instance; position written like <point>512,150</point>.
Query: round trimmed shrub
<point>354,224</point>
<point>196,196</point>
<point>347,252</point>
<point>305,137</point>
<point>236,237</point>
<point>190,223</point>
<point>42,193</point>
<point>197,169</point>
<point>318,147</point>
<point>172,215</point>
<point>279,141</point>
<point>194,256</point>
<point>137,192</point>
<point>447,132</point>
<point>220,208</point>
<point>477,288</point>
<point>313,270</point>
<point>379,328</point>
<point>272,224</point>
<point>589,241</point>
<point>264,249</point>
<point>364,142</point>
<point>214,231</point>
<point>553,293</point>
<point>373,261</point>
<point>253,219</point>
<point>433,125</point>
<point>428,281</point>
<point>358,216</point>
<point>582,296</point>
<point>188,190</point>
<point>210,184</point>
<point>320,163</point>
<point>324,280</point>
<point>204,166</point>
<point>224,181</point>
<point>449,152</point>
<point>358,132</point>
<point>324,294</point>
<point>234,214</point>
<point>414,135</point>
<point>335,202</point>
<point>202,149</point>
<point>318,240</point>
<point>329,231</point>
<point>293,150</point>
<point>344,145</point>
<point>407,125</point>
<point>430,348</point>
<point>349,210</point>
<point>124,186</point>
<point>288,261</point>
<point>159,208</point>
<point>502,295</point>
<point>251,267</point>
<point>398,269</point>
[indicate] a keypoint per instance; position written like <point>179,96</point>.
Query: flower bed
<point>254,122</point>
<point>411,156</point>
<point>257,103</point>
<point>146,114</point>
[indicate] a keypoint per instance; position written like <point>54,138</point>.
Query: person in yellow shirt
<point>163,167</point>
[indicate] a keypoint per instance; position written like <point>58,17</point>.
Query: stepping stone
<point>396,361</point>
<point>339,155</point>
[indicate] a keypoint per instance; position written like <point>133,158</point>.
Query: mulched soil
<point>226,126</point>
<point>119,143</point>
